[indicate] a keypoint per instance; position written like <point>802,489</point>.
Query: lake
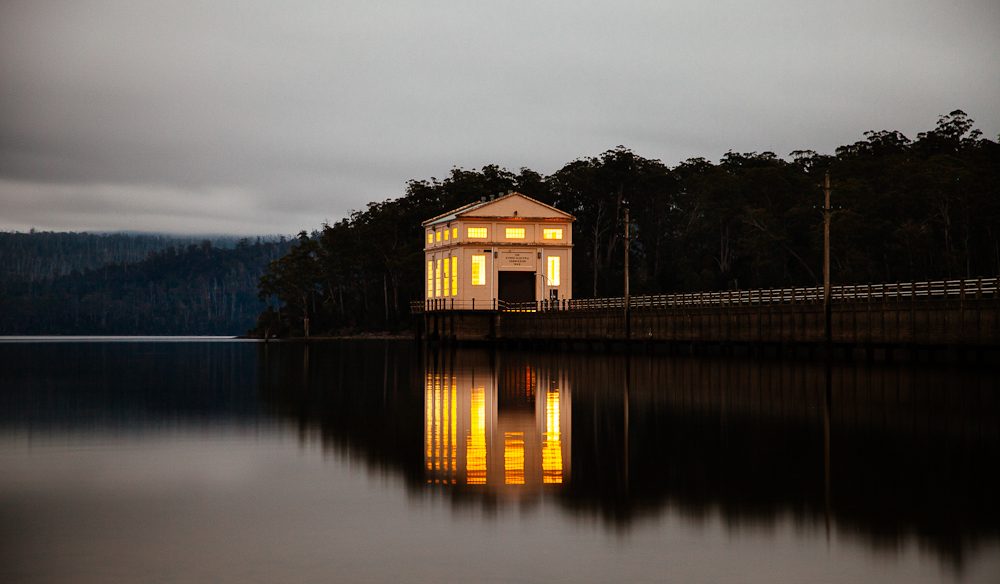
<point>182,460</point>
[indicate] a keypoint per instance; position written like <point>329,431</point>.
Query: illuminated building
<point>511,248</point>
<point>496,428</point>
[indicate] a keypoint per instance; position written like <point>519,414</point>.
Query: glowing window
<point>454,232</point>
<point>447,277</point>
<point>454,275</point>
<point>437,279</point>
<point>476,233</point>
<point>553,271</point>
<point>478,270</point>
<point>551,233</point>
<point>513,458</point>
<point>437,236</point>
<point>447,232</point>
<point>514,232</point>
<point>430,278</point>
<point>430,238</point>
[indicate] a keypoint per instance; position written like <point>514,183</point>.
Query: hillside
<point>191,290</point>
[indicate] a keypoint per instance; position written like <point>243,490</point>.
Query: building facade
<point>509,249</point>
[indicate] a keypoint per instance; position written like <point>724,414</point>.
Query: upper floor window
<point>446,233</point>
<point>552,233</point>
<point>476,233</point>
<point>514,232</point>
<point>454,232</point>
<point>430,238</point>
<point>437,236</point>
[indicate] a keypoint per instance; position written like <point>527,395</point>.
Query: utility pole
<point>827,312</point>
<point>628,322</point>
<point>627,242</point>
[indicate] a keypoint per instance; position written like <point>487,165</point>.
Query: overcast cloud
<point>248,117</point>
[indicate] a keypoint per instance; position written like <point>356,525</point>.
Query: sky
<point>247,117</point>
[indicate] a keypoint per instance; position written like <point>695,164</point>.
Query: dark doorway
<point>516,286</point>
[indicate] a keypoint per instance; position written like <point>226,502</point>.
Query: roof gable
<point>510,205</point>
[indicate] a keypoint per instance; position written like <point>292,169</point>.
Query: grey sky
<point>247,117</point>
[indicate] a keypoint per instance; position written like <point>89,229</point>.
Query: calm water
<point>374,462</point>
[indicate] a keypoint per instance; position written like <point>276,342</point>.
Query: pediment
<point>515,205</point>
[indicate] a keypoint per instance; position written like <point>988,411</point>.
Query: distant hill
<point>92,284</point>
<point>41,255</point>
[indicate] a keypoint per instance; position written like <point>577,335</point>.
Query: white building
<point>510,249</point>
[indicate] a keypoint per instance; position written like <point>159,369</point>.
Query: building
<point>508,249</point>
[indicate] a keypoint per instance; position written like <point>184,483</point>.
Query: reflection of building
<point>506,432</point>
<point>512,248</point>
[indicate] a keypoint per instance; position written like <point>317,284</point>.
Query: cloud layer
<point>250,117</point>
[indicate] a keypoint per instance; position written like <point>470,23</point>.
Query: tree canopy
<point>916,209</point>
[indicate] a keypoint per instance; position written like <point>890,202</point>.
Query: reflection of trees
<point>911,447</point>
<point>362,397</point>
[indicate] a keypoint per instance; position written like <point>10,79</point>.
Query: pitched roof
<point>469,209</point>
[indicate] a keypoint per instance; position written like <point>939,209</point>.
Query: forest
<point>906,209</point>
<point>131,284</point>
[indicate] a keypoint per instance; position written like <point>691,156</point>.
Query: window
<point>437,236</point>
<point>430,238</point>
<point>553,270</point>
<point>447,277</point>
<point>430,277</point>
<point>454,232</point>
<point>454,275</point>
<point>437,279</point>
<point>551,233</point>
<point>514,232</point>
<point>446,233</point>
<point>476,233</point>
<point>478,270</point>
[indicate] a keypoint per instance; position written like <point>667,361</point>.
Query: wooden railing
<point>938,289</point>
<point>440,304</point>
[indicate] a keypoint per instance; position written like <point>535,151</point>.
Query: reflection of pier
<point>883,453</point>
<point>501,428</point>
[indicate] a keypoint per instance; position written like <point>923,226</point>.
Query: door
<point>516,286</point>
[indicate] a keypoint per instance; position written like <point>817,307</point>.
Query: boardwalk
<point>952,312</point>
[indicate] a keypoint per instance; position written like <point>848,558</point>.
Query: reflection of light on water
<point>440,417</point>
<point>428,422</point>
<point>505,435</point>
<point>475,449</point>
<point>453,434</point>
<point>513,458</point>
<point>552,440</point>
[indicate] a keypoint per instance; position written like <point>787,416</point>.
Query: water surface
<point>374,461</point>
